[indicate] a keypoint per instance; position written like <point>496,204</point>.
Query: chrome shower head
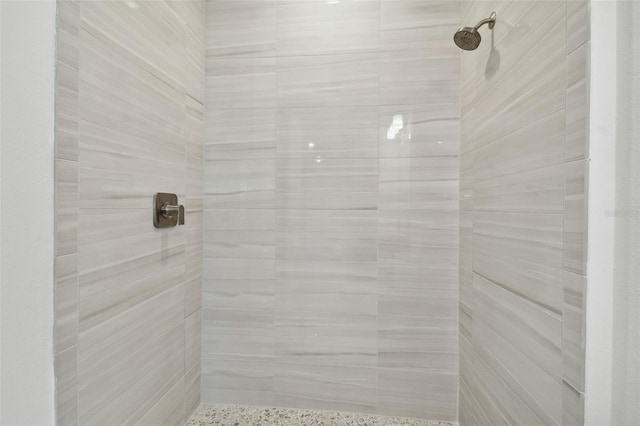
<point>468,38</point>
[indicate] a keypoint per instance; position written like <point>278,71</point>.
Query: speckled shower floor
<point>237,415</point>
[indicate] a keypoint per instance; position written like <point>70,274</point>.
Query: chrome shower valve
<point>167,212</point>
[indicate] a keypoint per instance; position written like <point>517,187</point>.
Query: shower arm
<point>491,20</point>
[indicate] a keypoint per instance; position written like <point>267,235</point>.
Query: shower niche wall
<point>129,105</point>
<point>331,205</point>
<point>523,215</point>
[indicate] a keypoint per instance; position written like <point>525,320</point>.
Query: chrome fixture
<point>468,38</point>
<point>166,210</point>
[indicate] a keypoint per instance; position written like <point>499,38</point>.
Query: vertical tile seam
<point>78,24</point>
<point>564,204</point>
<point>56,384</point>
<point>185,175</point>
<point>458,334</point>
<point>471,152</point>
<point>275,205</point>
<point>185,172</point>
<point>201,196</point>
<point>377,386</point>
<point>203,161</point>
<point>458,239</point>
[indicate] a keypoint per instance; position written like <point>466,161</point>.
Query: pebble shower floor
<point>237,415</point>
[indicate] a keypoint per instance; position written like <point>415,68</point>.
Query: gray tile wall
<point>524,161</point>
<point>330,208</point>
<point>129,123</point>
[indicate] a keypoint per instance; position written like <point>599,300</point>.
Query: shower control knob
<point>167,212</point>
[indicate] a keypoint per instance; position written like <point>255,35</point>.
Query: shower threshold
<point>240,415</point>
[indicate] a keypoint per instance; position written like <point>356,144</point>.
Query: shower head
<point>468,38</point>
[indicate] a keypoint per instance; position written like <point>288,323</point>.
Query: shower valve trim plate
<point>166,210</point>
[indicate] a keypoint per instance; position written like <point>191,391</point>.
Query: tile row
<point>429,183</point>
<point>401,131</point>
<point>287,28</point>
<point>346,80</point>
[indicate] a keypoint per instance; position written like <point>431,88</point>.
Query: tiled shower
<point>376,221</point>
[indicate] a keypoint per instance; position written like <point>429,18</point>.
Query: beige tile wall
<point>523,214</point>
<point>330,270</point>
<point>129,123</point>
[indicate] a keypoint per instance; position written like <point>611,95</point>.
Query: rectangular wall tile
<point>66,302</point>
<point>241,83</point>
<point>246,234</point>
<point>314,28</point>
<point>418,183</point>
<point>497,402</point>
<point>535,387</point>
<point>573,406</point>
<point>314,337</point>
<point>234,184</point>
<point>238,381</point>
<point>415,236</point>
<point>417,342</point>
<point>521,253</point>
<point>168,410</point>
<point>578,25</point>
<point>326,276</point>
<point>240,134</point>
<point>66,367</point>
<point>112,342</point>
<point>339,235</point>
<point>192,389</point>
<point>574,330</point>
<point>346,388</point>
<point>192,339</point>
<point>577,138</point>
<point>575,217</point>
<point>419,131</point>
<point>241,29</point>
<point>422,394</point>
<point>537,191</point>
<point>345,132</point>
<point>327,183</point>
<point>411,24</point>
<point>427,76</point>
<point>328,80</point>
<point>126,392</point>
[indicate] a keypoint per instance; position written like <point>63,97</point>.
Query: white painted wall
<point>612,387</point>
<point>0,225</point>
<point>625,395</point>
<point>26,229</point>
